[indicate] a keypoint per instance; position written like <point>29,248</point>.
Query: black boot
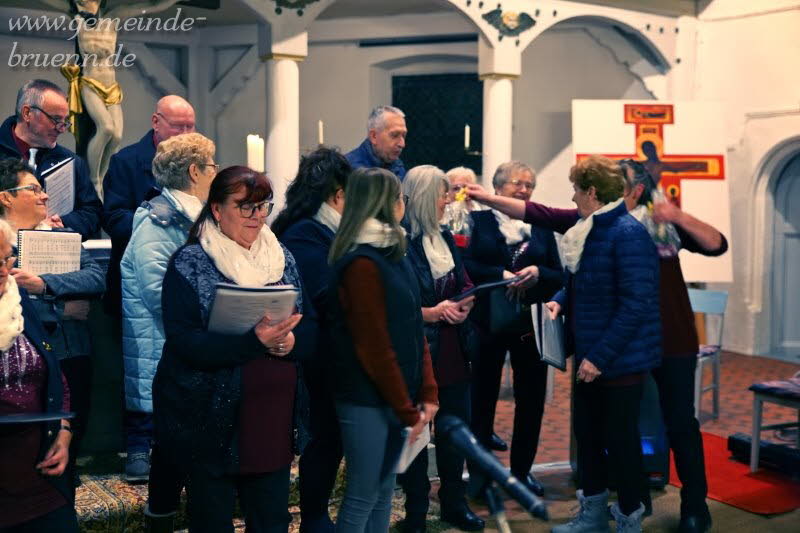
<point>160,524</point>
<point>413,524</point>
<point>695,522</point>
<point>462,517</point>
<point>532,484</point>
<point>497,444</point>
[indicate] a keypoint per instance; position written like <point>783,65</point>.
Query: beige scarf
<point>575,238</point>
<point>263,263</point>
<point>11,321</point>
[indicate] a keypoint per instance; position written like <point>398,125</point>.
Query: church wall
<point>747,56</point>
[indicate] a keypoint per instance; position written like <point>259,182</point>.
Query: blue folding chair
<point>712,304</point>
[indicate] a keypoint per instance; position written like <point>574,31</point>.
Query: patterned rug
<point>107,504</point>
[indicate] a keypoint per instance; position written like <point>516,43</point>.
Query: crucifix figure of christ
<point>93,84</point>
<point>668,170</point>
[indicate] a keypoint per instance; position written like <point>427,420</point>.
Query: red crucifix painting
<point>669,170</point>
<point>683,144</point>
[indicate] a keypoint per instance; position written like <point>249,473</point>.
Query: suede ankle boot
<point>631,523</point>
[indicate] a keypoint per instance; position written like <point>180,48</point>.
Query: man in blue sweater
<point>32,133</point>
<point>386,138</point>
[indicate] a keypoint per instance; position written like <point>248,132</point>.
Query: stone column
<point>498,66</point>
<point>282,149</point>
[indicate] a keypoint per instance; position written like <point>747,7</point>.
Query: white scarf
<point>377,234</point>
<point>515,231</point>
<point>191,204</point>
<point>328,216</point>
<point>263,263</point>
<point>438,253</point>
<point>664,235</point>
<point>11,321</point>
<point>575,237</point>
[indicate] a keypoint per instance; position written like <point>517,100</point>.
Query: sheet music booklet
<point>549,336</point>
<point>48,252</point>
<point>236,309</point>
<point>59,183</point>
<point>411,450</point>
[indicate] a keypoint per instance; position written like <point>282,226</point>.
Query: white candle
<point>466,137</point>
<point>320,132</point>
<point>255,153</point>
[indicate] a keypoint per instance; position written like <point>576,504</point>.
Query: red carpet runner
<point>730,482</point>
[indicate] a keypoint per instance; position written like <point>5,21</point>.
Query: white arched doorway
<point>786,263</point>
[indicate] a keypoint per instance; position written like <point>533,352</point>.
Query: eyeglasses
<point>215,165</point>
<point>33,187</point>
<point>187,128</point>
<point>57,122</point>
<point>8,261</point>
<point>248,210</point>
<point>522,184</point>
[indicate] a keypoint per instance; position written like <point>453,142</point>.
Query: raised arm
<point>510,206</point>
<point>140,9</point>
<point>709,240</point>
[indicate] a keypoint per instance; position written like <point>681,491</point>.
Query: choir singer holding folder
<point>230,409</point>
<point>382,365</point>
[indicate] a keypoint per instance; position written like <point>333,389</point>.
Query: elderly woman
<point>34,493</point>
<point>501,248</point>
<point>382,364</point>
<point>671,230</point>
<point>456,213</point>
<point>440,275</point>
<point>307,226</point>
<point>59,299</point>
<point>183,168</point>
<point>230,408</point>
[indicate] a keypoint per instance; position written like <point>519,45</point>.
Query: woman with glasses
<point>307,226</point>
<point>502,248</point>
<point>61,300</point>
<point>35,495</point>
<point>382,366</point>
<point>183,167</point>
<point>231,409</point>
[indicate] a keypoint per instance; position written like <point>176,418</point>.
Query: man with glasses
<point>129,181</point>
<point>32,135</point>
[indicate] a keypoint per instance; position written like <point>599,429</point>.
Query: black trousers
<point>78,373</point>
<point>530,383</point>
<point>606,419</point>
<point>164,485</point>
<point>675,380</point>
<point>264,500</point>
<point>62,520</point>
<point>453,400</point>
<point>319,462</point>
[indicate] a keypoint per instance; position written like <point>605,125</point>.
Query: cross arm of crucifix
<point>147,7</point>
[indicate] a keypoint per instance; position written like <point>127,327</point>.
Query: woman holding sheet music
<point>230,409</point>
<point>35,495</point>
<point>382,366</point>
<point>452,340</point>
<point>60,299</point>
<point>501,248</point>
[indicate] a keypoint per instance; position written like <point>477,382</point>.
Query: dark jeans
<point>530,383</point>
<point>138,431</point>
<point>320,460</point>
<point>62,520</point>
<point>606,419</point>
<point>264,499</point>
<point>675,380</point>
<point>165,484</point>
<point>453,400</point>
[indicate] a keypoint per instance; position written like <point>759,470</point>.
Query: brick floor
<point>738,373</point>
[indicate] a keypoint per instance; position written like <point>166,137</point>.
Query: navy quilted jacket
<point>614,297</point>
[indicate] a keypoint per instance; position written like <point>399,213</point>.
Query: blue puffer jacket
<point>614,297</point>
<point>160,227</point>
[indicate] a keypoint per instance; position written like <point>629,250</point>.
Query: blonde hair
<point>602,173</point>
<point>175,155</point>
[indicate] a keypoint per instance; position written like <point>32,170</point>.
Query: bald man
<point>129,180</point>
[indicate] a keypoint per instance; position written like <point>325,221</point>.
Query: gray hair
<point>377,118</point>
<point>508,169</point>
<point>462,171</point>
<point>32,94</point>
<point>6,232</point>
<point>175,155</point>
<point>422,185</point>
